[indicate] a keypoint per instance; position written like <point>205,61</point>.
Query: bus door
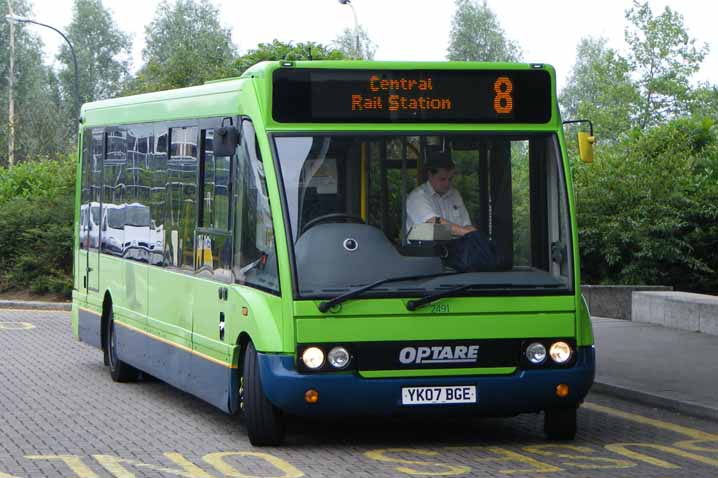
<point>91,216</point>
<point>213,246</point>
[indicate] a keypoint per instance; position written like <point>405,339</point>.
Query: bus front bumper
<point>348,394</point>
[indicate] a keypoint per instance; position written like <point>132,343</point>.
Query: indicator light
<point>562,390</point>
<point>311,396</point>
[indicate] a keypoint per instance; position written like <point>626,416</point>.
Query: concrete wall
<point>614,301</point>
<point>678,310</point>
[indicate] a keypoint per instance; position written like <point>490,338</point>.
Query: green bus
<point>340,238</point>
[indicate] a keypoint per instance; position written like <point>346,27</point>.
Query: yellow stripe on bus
<point>165,341</point>
<point>173,344</point>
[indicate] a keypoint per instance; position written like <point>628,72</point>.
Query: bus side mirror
<point>225,141</point>
<point>585,140</point>
<point>585,146</point>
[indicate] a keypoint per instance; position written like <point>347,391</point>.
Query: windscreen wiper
<point>328,304</point>
<point>427,299</point>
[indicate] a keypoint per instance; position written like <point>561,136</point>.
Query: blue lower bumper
<point>348,394</point>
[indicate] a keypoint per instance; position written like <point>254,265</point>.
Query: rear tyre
<point>264,421</point>
<point>560,423</point>
<point>119,370</point>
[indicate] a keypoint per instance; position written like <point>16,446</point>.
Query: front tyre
<point>560,423</point>
<point>264,422</point>
<point>119,370</point>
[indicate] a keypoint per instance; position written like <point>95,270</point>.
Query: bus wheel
<point>264,422</point>
<point>119,370</point>
<point>560,423</point>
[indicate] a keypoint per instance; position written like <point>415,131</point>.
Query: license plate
<point>438,395</point>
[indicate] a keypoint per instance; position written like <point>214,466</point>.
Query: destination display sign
<point>404,96</point>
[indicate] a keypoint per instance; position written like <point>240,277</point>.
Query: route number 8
<point>503,103</point>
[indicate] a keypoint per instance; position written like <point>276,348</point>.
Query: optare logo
<point>439,354</point>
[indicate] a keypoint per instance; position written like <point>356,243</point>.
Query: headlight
<point>536,353</point>
<point>338,357</point>
<point>560,352</point>
<point>313,357</point>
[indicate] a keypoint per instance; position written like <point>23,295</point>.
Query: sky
<point>547,31</point>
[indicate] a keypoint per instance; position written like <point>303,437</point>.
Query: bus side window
<point>213,251</point>
<point>182,169</point>
<point>255,257</point>
<point>85,191</point>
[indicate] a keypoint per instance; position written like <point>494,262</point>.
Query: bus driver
<point>437,199</point>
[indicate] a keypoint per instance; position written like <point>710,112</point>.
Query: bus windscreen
<point>407,96</point>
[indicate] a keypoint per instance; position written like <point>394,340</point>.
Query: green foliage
<point>704,101</point>
<point>664,57</point>
<point>359,49</point>
<point>600,88</point>
<point>36,226</point>
<point>102,50</point>
<point>278,50</point>
<point>476,35</point>
<point>648,208</point>
<point>186,45</point>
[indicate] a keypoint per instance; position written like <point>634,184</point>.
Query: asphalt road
<point>62,416</point>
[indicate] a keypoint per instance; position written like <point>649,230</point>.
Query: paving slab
<point>657,365</point>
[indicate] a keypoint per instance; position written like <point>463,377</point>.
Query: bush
<point>36,227</point>
<point>647,209</point>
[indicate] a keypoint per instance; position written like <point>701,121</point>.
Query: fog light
<point>536,353</point>
<point>562,390</point>
<point>560,352</point>
<point>311,396</point>
<point>338,357</point>
<point>313,357</point>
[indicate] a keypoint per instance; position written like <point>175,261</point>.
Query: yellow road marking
<point>450,470</point>
<point>622,449</point>
<point>535,466</point>
<point>74,462</point>
<point>16,326</point>
<point>680,429</point>
<point>217,461</point>
<point>583,457</point>
<point>55,311</point>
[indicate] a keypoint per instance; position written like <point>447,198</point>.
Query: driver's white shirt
<point>423,203</point>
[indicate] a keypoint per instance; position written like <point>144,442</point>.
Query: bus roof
<point>221,97</point>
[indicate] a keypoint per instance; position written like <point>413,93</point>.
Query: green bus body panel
<point>456,305</point>
<point>437,327</point>
<point>183,308</point>
<point>445,372</point>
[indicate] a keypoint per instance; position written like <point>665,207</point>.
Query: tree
<point>476,35</point>
<point>704,101</point>
<point>278,50</point>
<point>186,46</point>
<point>360,49</point>
<point>600,88</point>
<point>664,58</point>
<point>103,53</point>
<point>37,129</point>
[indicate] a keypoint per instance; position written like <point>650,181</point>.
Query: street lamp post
<point>11,99</point>
<point>17,19</point>
<point>356,24</point>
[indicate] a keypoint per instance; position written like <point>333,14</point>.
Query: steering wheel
<point>344,217</point>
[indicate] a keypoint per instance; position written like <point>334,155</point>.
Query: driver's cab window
<point>425,204</point>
